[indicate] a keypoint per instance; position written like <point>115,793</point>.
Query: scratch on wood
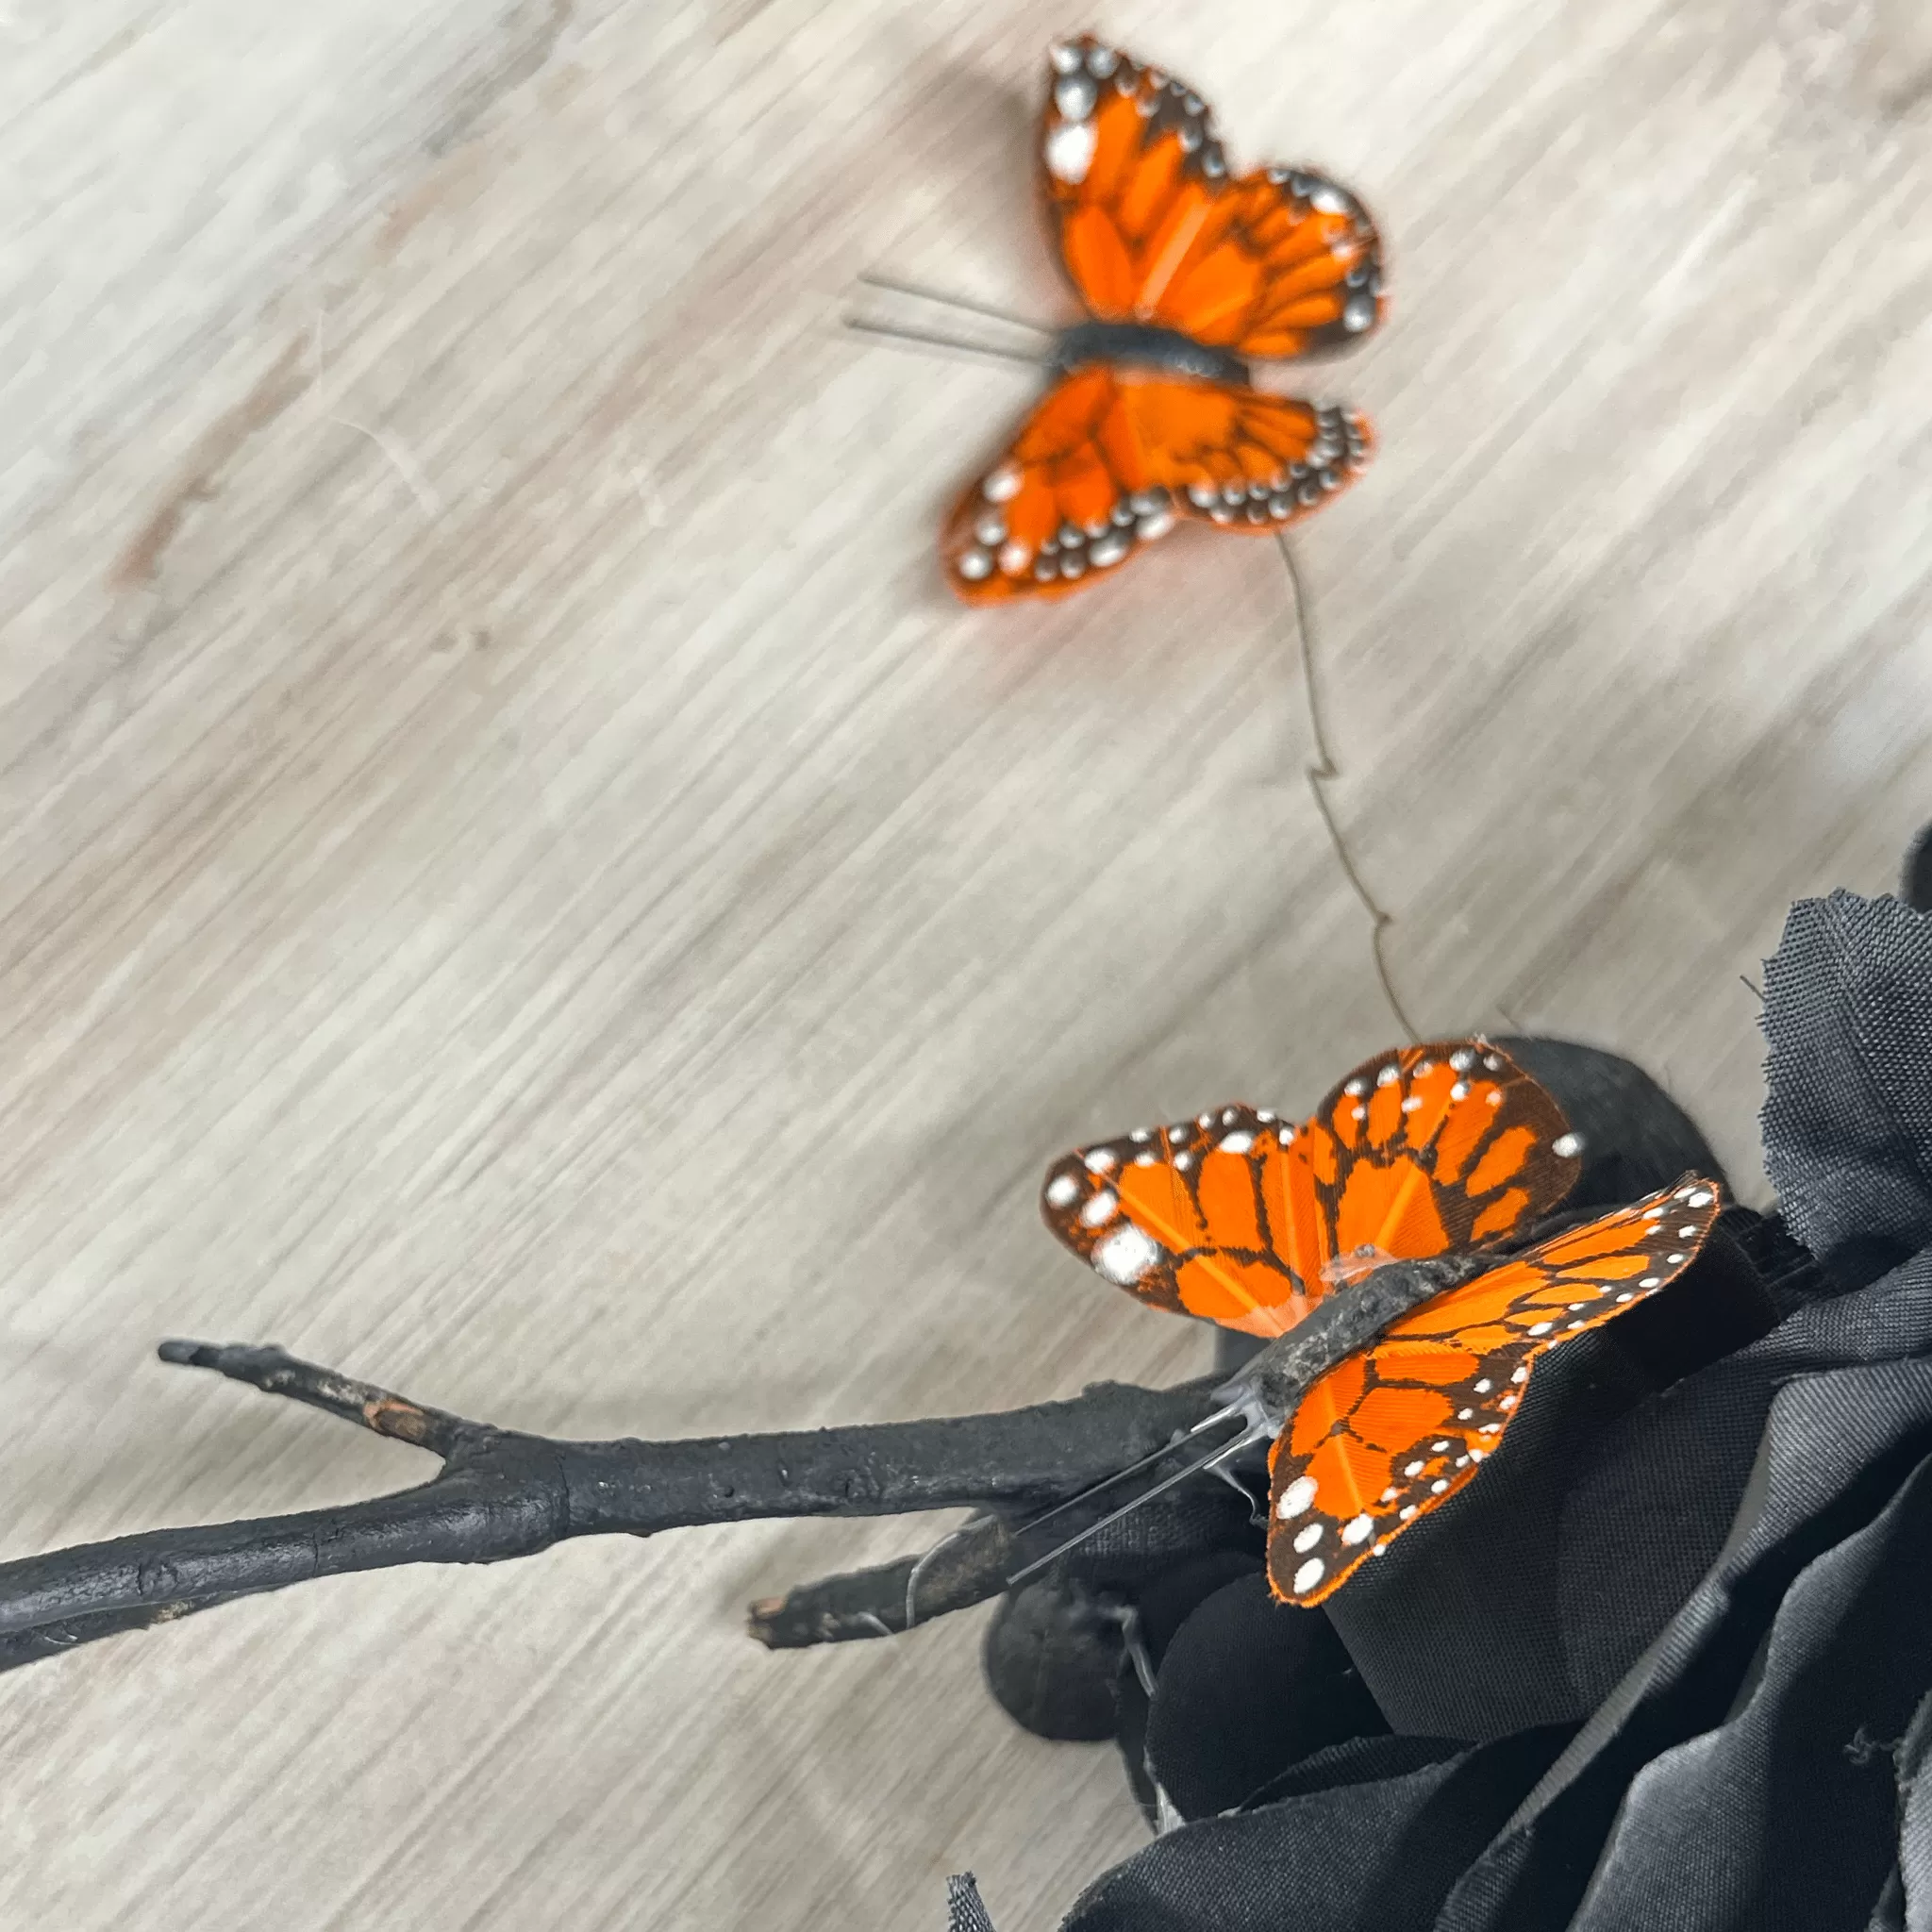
<point>200,475</point>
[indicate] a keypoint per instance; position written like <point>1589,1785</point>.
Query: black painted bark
<point>501,1493</point>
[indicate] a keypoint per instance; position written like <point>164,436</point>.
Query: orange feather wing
<point>1111,457</point>
<point>1245,1220</point>
<point>1403,1424</point>
<point>1154,228</point>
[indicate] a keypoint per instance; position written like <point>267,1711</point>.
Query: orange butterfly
<point>1247,1221</point>
<point>1187,272</point>
<point>1424,1152</point>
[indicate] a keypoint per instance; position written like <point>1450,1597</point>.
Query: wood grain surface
<point>520,883</point>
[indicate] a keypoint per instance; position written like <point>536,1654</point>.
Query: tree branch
<point>502,1493</point>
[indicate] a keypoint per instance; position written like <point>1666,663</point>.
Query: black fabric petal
<point>1378,1856</point>
<point>1847,1119</point>
<point>1669,1664</point>
<point>1215,1737</point>
<point>1802,1768</point>
<point>965,1911</point>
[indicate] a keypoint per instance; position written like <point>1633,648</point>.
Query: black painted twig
<point>965,1568</point>
<point>502,1493</point>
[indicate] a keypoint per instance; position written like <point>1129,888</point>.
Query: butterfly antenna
<point>1320,770</point>
<point>1106,1482</point>
<point>919,294</point>
<point>1224,1452</point>
<point>940,341</point>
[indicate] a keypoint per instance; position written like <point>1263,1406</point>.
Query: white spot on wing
<point>1567,1146</point>
<point>1061,1189</point>
<point>1100,1209</point>
<point>1306,1538</point>
<point>1296,1498</point>
<point>1237,1143</point>
<point>1308,1575</point>
<point>1100,1160</point>
<point>1069,151</point>
<point>1356,1529</point>
<point>1125,1255</point>
<point>1074,96</point>
<point>1001,485</point>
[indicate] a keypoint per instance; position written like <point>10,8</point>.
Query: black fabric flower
<point>1669,1664</point>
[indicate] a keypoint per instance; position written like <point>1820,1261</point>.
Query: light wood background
<point>519,882</point>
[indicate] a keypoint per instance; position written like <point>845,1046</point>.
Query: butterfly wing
<point>1196,1218</point>
<point>1110,456</point>
<point>1238,1216</point>
<point>1434,1148</point>
<point>1400,1426</point>
<point>1152,228</point>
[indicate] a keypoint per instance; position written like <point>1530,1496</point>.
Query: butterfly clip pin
<point>1369,1245</point>
<point>1189,273</point>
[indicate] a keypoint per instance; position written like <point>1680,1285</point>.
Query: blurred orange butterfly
<point>1420,1153</point>
<point>1187,272</point>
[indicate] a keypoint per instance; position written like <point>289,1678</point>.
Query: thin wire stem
<point>1220,1454</point>
<point>1320,771</point>
<point>1106,1482</point>
<point>915,334</point>
<point>919,294</point>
